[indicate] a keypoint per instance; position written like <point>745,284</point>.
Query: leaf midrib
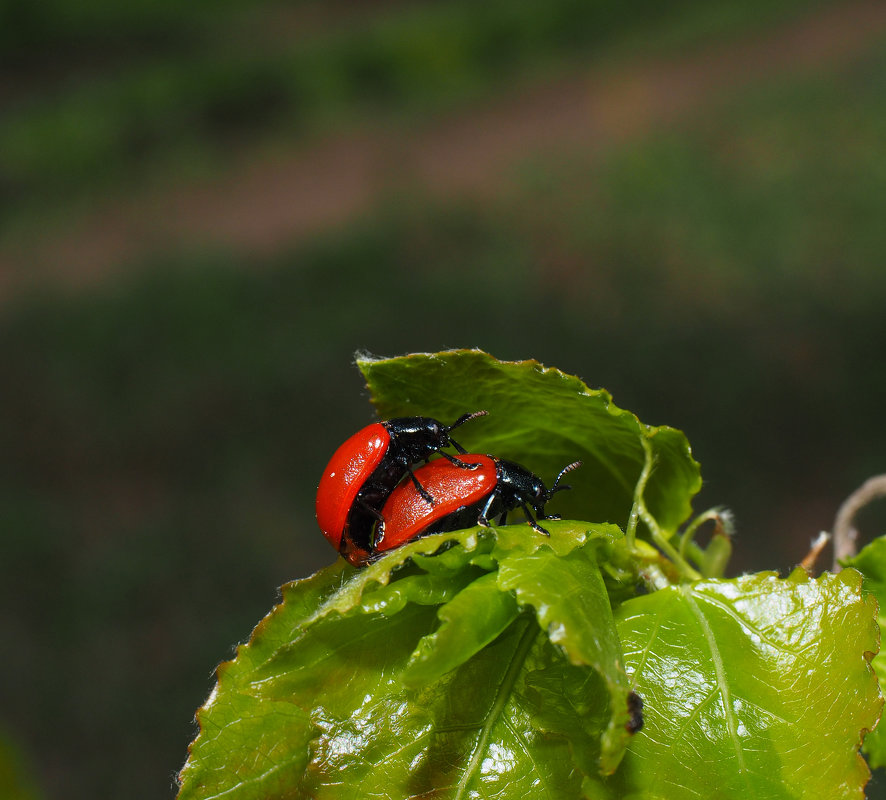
<point>722,683</point>
<point>501,697</point>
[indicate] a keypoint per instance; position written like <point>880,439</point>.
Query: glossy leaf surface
<point>544,419</point>
<point>871,562</point>
<point>755,687</point>
<point>477,671</point>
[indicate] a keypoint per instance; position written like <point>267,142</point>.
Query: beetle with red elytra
<point>464,499</point>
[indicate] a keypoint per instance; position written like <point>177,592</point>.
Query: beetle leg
<point>531,520</point>
<point>458,447</point>
<point>421,490</point>
<point>377,531</point>
<point>482,519</point>
<point>374,512</point>
<point>457,461</point>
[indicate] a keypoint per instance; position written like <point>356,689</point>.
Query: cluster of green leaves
<point>191,92</point>
<point>499,663</point>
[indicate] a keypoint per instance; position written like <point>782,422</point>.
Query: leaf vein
<point>722,684</point>
<point>501,696</point>
<point>746,624</point>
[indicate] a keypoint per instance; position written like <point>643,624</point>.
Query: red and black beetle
<point>464,499</point>
<point>366,468</point>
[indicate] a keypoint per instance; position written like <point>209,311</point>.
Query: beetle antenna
<point>466,418</point>
<point>461,421</point>
<point>568,468</point>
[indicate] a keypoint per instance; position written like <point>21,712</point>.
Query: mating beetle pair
<point>366,506</point>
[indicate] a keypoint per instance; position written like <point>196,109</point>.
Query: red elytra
<point>348,469</point>
<point>463,499</point>
<point>406,513</point>
<point>364,470</point>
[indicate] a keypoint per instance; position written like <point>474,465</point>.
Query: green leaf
<point>871,562</point>
<point>572,605</point>
<point>544,418</point>
<point>754,687</point>
<point>474,618</point>
<point>425,673</point>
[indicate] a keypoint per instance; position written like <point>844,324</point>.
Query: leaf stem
<point>639,511</point>
<point>639,489</point>
<point>689,532</point>
<point>711,560</point>
<point>670,551</point>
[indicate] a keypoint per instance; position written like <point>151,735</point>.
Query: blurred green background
<point>208,207</point>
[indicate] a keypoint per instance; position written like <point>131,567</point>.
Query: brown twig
<point>845,535</point>
<point>818,544</point>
